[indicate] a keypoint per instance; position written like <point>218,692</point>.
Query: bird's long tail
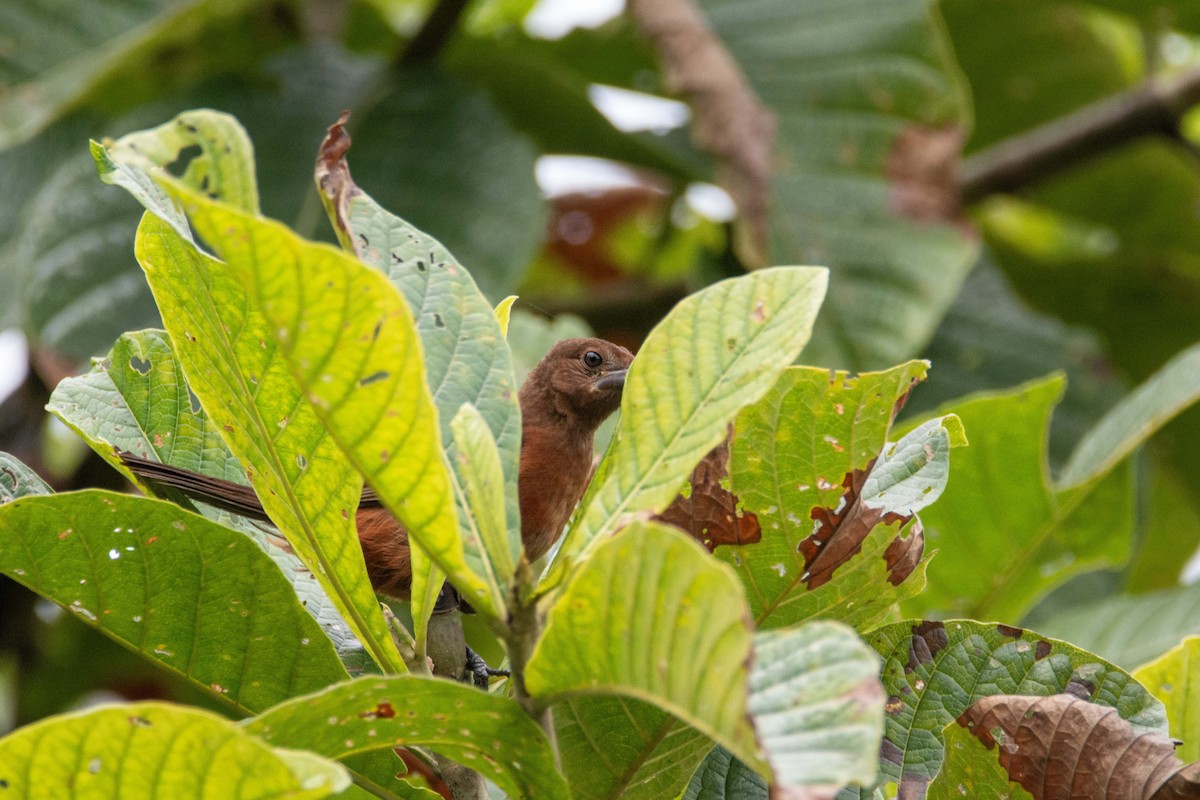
<point>233,497</point>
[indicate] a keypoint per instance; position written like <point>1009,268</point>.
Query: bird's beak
<point>611,380</point>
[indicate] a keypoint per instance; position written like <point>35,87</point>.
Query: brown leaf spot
<point>890,752</point>
<point>710,514</point>
<point>382,711</point>
<point>841,530</point>
<point>904,554</point>
<point>1041,650</point>
<point>1010,630</point>
<point>928,639</point>
<point>1077,687</point>
<point>922,168</point>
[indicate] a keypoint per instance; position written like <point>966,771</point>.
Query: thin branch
<point>1154,107</point>
<point>439,26</point>
<point>730,122</point>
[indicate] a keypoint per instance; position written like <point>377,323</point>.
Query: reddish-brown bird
<point>574,388</point>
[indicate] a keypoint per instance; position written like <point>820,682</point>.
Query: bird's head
<point>579,381</point>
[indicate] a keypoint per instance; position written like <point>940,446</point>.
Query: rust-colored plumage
<point>573,389</point>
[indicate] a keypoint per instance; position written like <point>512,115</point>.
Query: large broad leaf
<point>488,733</point>
<point>1135,419</point>
<point>1036,533</point>
<point>797,503</point>
<point>688,655</point>
<point>136,399</point>
<point>1002,510</point>
<point>871,116</point>
<point>1127,629</point>
<point>689,659</point>
<point>834,717</point>
<point>718,350</point>
<point>1175,680</point>
<point>52,62</point>
<point>466,358</point>
<point>154,750</point>
<point>353,349</point>
<point>990,340</point>
<point>933,671</point>
<point>618,747</point>
<point>245,385</point>
<point>199,599</point>
<point>1032,61</point>
<point>1041,747</point>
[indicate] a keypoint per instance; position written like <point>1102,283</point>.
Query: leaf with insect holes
<point>243,382</point>
<point>717,351</point>
<point>354,350</point>
<point>137,400</point>
<point>488,733</point>
<point>194,597</point>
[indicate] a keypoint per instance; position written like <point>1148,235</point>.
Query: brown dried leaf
<point>710,512</point>
<point>842,530</point>
<point>1064,747</point>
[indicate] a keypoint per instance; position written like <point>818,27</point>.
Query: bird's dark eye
<point>592,359</point>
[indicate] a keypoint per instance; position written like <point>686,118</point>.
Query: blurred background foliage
<point>559,150</point>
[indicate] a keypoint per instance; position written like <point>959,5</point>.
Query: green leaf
<point>242,380</point>
<point>196,598</point>
<point>215,152</point>
<point>990,340</point>
<point>488,733</point>
<point>811,450</point>
<point>1135,419</point>
<point>373,400</point>
<point>972,768</point>
<point>718,351</point>
<point>933,671</point>
<point>818,712</point>
<point>1174,678</point>
<point>52,64</point>
<point>1171,527</point>
<point>1033,61</point>
<point>1001,509</point>
<point>811,689</point>
<point>479,466</point>
<point>18,480</point>
<point>136,399</point>
<point>467,360</point>
<point>858,92</point>
<point>155,750</point>
<point>817,705</point>
<point>723,777</point>
<point>617,747</point>
<point>687,655</point>
<point>1127,629</point>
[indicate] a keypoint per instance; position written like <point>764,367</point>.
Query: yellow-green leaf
<point>716,352</point>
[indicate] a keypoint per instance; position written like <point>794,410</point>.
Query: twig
<point>730,122</point>
<point>523,629</point>
<point>1153,107</point>
<point>437,29</point>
